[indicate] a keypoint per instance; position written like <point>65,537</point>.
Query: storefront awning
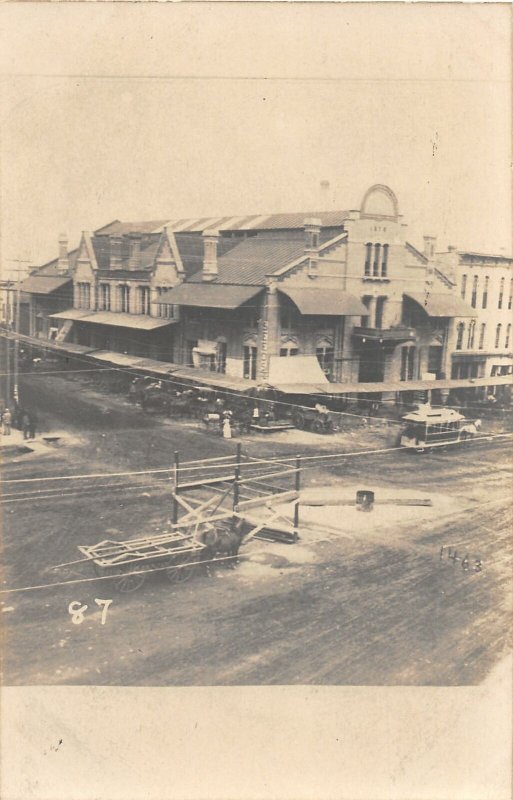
<point>141,322</point>
<point>120,359</point>
<point>442,305</point>
<point>70,313</point>
<point>299,374</point>
<point>44,284</point>
<point>413,386</point>
<point>325,302</point>
<point>209,295</point>
<point>215,379</point>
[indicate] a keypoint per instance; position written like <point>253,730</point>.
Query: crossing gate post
<point>176,468</point>
<point>296,504</point>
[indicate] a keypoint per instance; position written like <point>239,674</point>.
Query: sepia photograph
<point>256,369</point>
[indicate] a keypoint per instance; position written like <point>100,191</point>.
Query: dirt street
<point>374,604</point>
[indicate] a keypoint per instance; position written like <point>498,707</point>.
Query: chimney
<point>135,251</point>
<point>312,235</point>
<point>210,240</point>
<point>63,262</point>
<point>429,246</point>
<point>116,255</point>
<point>451,248</point>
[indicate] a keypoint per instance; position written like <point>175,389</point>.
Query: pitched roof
<point>329,219</point>
<point>44,284</point>
<point>118,228</point>
<point>250,261</point>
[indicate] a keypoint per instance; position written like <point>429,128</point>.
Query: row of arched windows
<point>484,300</point>
<point>376,260</point>
<point>460,335</point>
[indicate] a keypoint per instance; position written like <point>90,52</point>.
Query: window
<point>164,310</point>
<point>220,365</point>
<point>289,316</point>
<point>384,262</point>
<point>510,301</point>
<point>325,356</point>
<point>289,349</point>
<point>435,359</point>
<point>471,334</point>
<point>368,256</point>
<point>364,320</point>
<point>485,292</point>
<point>124,298</point>
<point>250,361</point>
<point>508,335</point>
<point>460,331</point>
<point>380,306</point>
<point>84,295</point>
<point>376,264</point>
<point>190,345</point>
<point>498,334</point>
<point>104,296</point>
<point>501,293</point>
<point>144,299</point>
<point>463,285</point>
<point>473,301</point>
<point>482,335</point>
<point>407,363</point>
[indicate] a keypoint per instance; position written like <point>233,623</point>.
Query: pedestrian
<point>25,425</point>
<point>6,422</point>
<point>227,425</point>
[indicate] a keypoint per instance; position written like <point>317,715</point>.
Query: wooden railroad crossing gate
<point>257,493</point>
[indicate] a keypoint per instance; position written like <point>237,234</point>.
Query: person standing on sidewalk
<point>25,424</point>
<point>32,425</point>
<point>6,422</point>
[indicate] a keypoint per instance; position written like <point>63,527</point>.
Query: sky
<point>133,111</point>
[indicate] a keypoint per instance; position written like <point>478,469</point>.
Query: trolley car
<point>427,427</point>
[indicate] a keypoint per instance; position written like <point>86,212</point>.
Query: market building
<point>294,300</point>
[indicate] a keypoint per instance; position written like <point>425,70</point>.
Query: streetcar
<point>427,427</point>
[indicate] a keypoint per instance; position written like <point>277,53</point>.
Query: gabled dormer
<point>168,268</point>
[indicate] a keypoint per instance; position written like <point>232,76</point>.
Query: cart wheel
<point>127,581</point>
<point>318,426</point>
<point>299,421</point>
<point>184,567</point>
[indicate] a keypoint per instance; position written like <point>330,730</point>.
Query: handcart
<point>176,553</point>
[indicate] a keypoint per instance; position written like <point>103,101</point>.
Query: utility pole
<point>17,261</point>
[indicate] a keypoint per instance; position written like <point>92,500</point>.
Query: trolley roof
<point>425,413</point>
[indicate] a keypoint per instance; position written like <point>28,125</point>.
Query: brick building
<point>287,299</point>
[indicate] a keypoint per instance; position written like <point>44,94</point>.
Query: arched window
<point>463,285</point>
<point>124,298</point>
<point>473,301</point>
<point>501,293</point>
<point>144,299</point>
<point>510,301</point>
<point>368,256</point>
<point>384,262</point>
<point>376,264</point>
<point>471,332</point>
<point>460,332</point>
<point>485,291</point>
<point>508,335</point>
<point>498,334</point>
<point>482,335</point>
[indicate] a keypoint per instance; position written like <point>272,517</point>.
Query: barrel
<point>364,500</point>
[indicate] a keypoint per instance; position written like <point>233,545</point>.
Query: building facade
<point>483,346</point>
<point>337,297</point>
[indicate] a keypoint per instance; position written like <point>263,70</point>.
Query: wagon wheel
<point>178,572</point>
<point>318,426</point>
<point>126,581</point>
<point>299,421</point>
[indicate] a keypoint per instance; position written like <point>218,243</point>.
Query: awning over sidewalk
<point>44,284</point>
<point>120,359</point>
<point>413,386</point>
<point>217,380</point>
<point>297,374</point>
<point>442,305</point>
<point>141,322</point>
<point>70,313</point>
<point>324,302</point>
<point>209,295</point>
